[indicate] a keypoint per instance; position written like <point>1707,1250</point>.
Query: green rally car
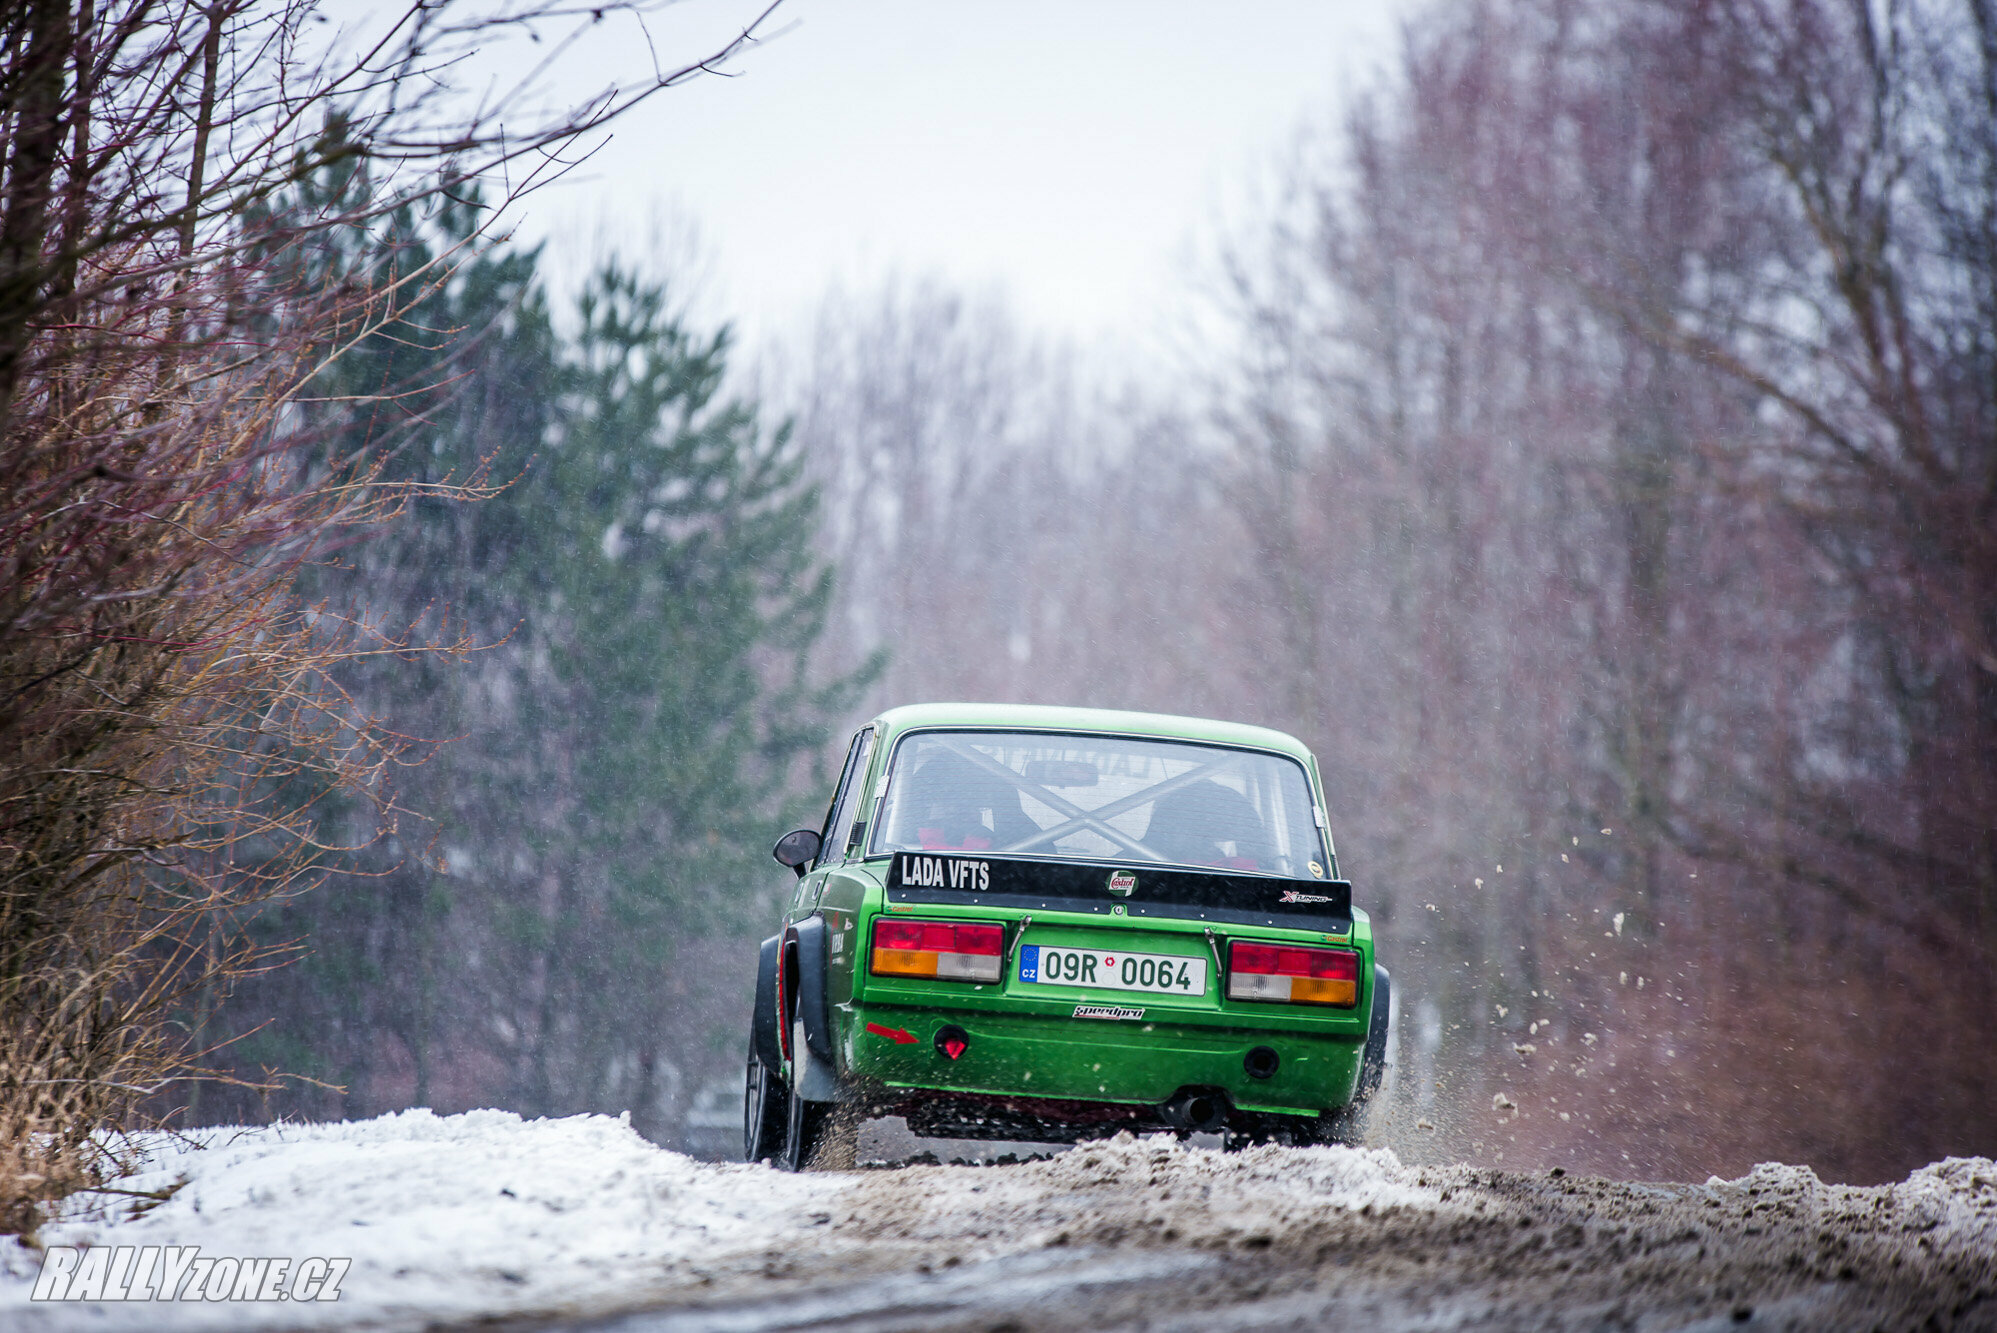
<point>1045,924</point>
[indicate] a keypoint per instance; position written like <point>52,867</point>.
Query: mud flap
<point>820,1081</point>
<point>765,1045</point>
<point>1373,1063</point>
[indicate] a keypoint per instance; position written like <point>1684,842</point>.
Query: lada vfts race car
<point>1048,924</point>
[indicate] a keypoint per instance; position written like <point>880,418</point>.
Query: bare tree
<point>1867,332</point>
<point>168,716</point>
<point>1611,470</point>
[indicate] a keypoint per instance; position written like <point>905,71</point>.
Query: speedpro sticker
<point>1110,1011</point>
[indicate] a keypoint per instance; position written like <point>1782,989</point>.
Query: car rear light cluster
<point>1286,974</point>
<point>945,950</point>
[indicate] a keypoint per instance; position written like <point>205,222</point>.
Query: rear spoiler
<point>1106,889</point>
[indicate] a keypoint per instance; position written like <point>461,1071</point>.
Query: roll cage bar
<point>1075,817</point>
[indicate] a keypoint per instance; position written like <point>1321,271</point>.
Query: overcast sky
<point>1070,153</point>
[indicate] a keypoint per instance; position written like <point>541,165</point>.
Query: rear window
<point>1100,798</point>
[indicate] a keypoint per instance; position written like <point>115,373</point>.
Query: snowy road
<point>1155,1237</point>
<point>580,1224</point>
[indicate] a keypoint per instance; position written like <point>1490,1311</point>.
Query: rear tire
<point>802,1120</point>
<point>818,1136</point>
<point>765,1112</point>
<point>1347,1125</point>
<point>1373,1064</point>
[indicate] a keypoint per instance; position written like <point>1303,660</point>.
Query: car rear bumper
<point>1143,1062</point>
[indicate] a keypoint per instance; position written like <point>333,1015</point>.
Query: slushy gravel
<point>579,1223</point>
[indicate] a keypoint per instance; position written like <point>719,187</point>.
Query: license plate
<point>1112,969</point>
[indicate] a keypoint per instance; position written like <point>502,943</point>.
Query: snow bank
<point>1956,1200</point>
<point>1948,1207</point>
<point>453,1218</point>
<point>443,1217</point>
<point>1129,1189</point>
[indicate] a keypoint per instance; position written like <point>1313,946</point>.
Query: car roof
<point>1108,721</point>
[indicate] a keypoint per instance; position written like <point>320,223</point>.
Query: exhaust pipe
<point>1198,1110</point>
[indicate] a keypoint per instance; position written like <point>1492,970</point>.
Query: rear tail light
<point>1290,975</point>
<point>945,950</point>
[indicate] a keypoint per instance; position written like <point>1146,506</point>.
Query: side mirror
<point>797,849</point>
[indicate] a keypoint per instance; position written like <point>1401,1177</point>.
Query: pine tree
<point>679,598</point>
<point>643,596</point>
